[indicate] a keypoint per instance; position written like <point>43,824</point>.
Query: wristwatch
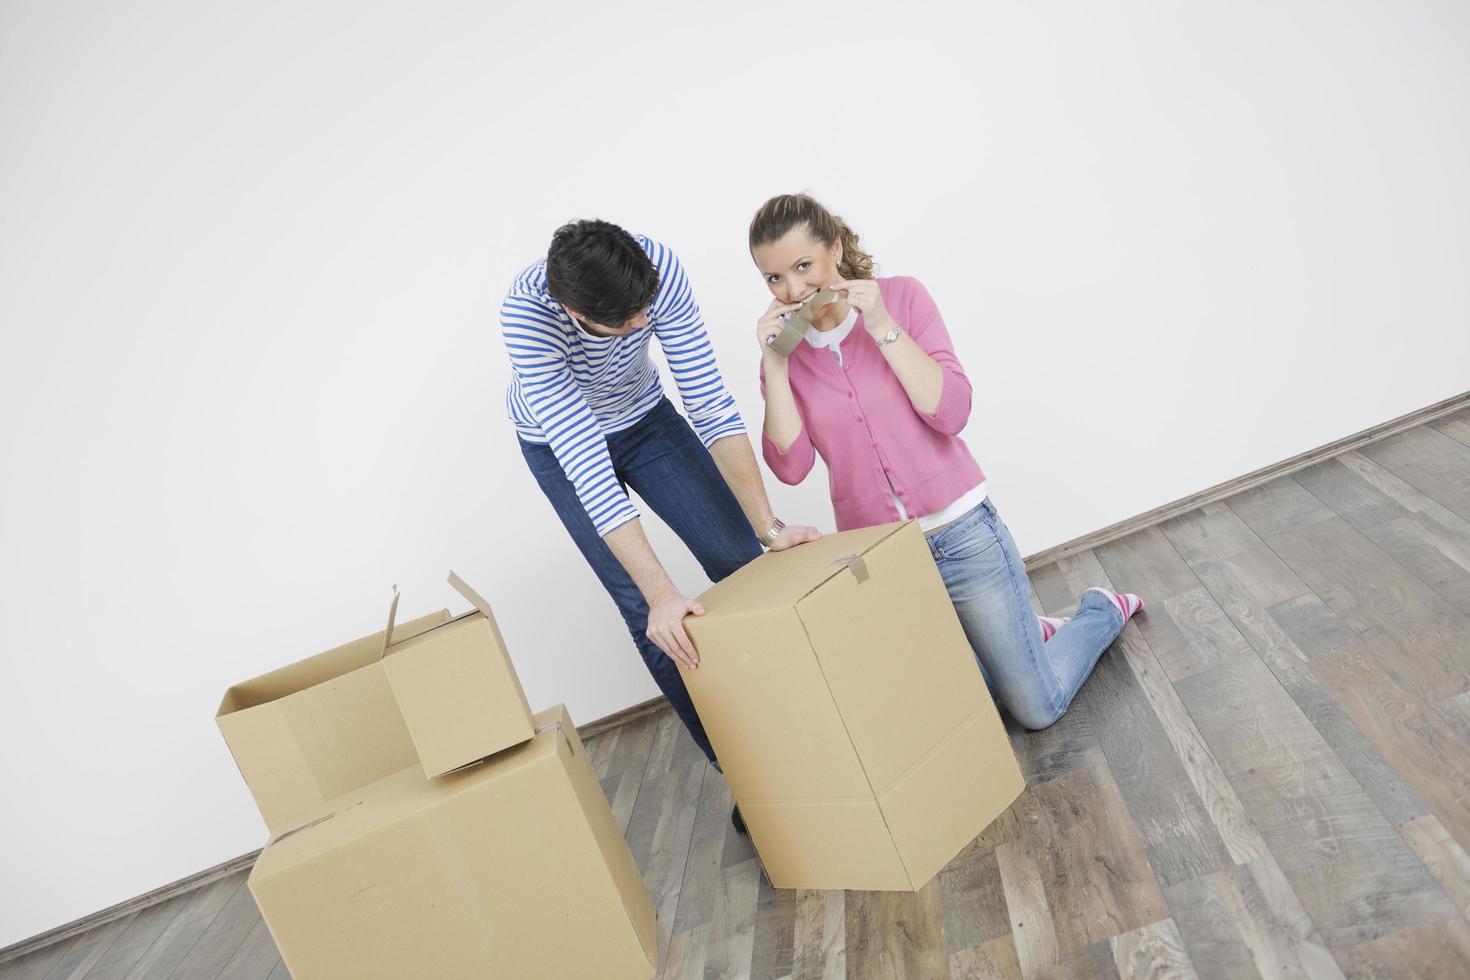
<point>892,335</point>
<point>774,532</point>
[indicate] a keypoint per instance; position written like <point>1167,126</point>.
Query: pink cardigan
<point>859,418</point>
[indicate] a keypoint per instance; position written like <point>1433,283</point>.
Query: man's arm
<point>736,462</point>
<point>667,607</point>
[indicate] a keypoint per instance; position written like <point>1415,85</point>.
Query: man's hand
<point>794,534</point>
<point>666,628</point>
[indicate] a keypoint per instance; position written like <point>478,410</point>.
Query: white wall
<point>250,257</point>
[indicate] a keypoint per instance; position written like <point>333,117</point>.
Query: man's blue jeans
<point>661,459</point>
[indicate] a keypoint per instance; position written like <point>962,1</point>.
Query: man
<point>593,420</point>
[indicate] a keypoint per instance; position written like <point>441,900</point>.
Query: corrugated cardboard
<point>848,712</point>
<point>318,728</point>
<point>457,689</point>
<point>511,868</point>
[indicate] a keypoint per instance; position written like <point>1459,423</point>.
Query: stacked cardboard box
<point>848,712</point>
<point>424,823</point>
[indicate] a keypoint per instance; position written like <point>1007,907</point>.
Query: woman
<point>877,391</point>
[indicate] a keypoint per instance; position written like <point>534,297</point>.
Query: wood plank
<point>1092,962</point>
<point>995,960</point>
<point>1412,737</point>
<point>1352,871</point>
<point>678,796</point>
<point>1069,745</point>
<point>730,949</point>
<point>1147,564</point>
<point>280,972</point>
<point>37,963</point>
<point>1033,931</point>
<point>1455,425</point>
<point>1289,663</point>
<point>1456,711</point>
<point>1211,637</point>
<point>895,935</point>
<point>819,936</point>
<point>1444,856</point>
<point>255,958</point>
<point>1450,531</point>
<point>178,938</point>
<point>686,955</point>
<point>1437,951</point>
<point>1177,833</point>
<point>973,901</point>
<point>1429,461</point>
<point>141,933</point>
<point>1279,507</point>
<point>1423,548</point>
<point>702,866</point>
<point>87,949</point>
<point>1153,951</point>
<point>1401,619</point>
<point>218,943</point>
<point>1277,929</point>
<point>1051,587</point>
<point>1247,922</point>
<point>626,767</point>
<point>656,786</point>
<point>1216,534</point>
<point>774,954</point>
<point>606,748</point>
<point>1206,922</point>
<point>1314,629</point>
<point>1226,812</point>
<point>1178,649</point>
<point>1092,863</point>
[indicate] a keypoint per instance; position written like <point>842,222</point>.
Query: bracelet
<point>773,532</point>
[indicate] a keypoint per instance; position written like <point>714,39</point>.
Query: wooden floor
<point>1268,775</point>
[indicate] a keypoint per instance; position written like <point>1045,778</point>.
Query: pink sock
<point>1050,625</point>
<point>1128,604</point>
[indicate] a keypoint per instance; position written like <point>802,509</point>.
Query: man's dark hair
<point>601,271</point>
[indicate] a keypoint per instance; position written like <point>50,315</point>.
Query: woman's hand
<point>863,296</point>
<point>771,323</point>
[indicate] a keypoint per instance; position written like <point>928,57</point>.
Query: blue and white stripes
<point>569,389</point>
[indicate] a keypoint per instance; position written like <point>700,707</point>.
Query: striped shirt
<point>570,389</point>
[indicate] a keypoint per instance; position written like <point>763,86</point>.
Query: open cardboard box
<point>436,691</point>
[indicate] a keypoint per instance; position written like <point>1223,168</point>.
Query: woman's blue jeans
<point>661,459</point>
<point>987,583</point>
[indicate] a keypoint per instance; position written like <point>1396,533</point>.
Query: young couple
<point>875,389</point>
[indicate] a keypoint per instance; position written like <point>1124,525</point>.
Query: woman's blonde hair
<point>786,211</point>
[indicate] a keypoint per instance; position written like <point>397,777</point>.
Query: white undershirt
<point>972,498</point>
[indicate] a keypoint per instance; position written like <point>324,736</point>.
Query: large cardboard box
<point>848,712</point>
<point>457,688</point>
<point>511,868</point>
<point>318,728</point>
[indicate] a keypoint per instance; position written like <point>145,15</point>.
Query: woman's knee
<point>1035,715</point>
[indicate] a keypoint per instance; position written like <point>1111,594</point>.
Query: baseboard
<point>619,718</point>
<point>1231,487</point>
<point>155,897</point>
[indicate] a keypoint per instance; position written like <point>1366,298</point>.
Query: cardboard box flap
<point>345,818</point>
<point>779,579</point>
<point>299,676</point>
<point>395,635</point>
